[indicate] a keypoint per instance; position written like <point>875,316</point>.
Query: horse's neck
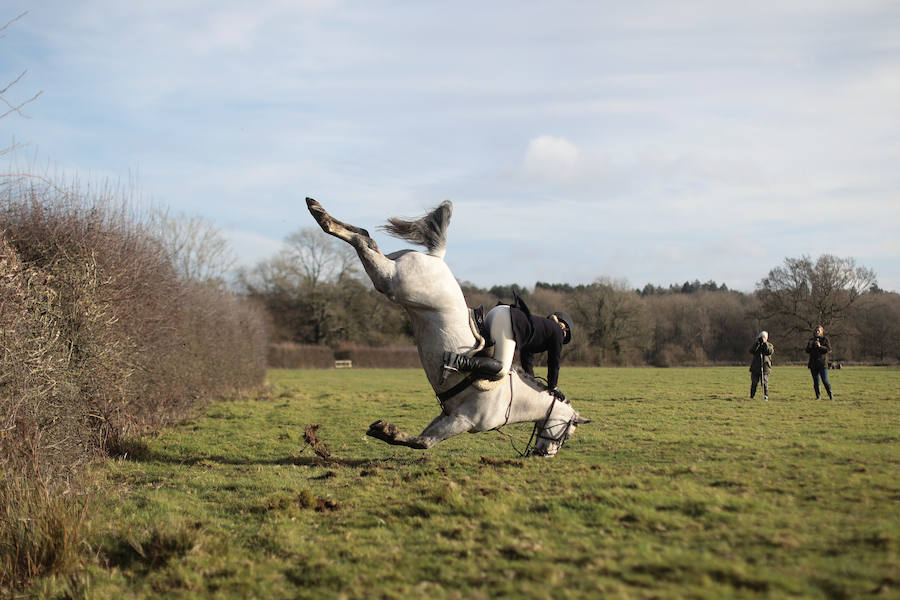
<point>530,404</point>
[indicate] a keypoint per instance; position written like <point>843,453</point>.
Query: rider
<point>514,325</point>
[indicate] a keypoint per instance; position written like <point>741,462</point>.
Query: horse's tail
<point>429,231</point>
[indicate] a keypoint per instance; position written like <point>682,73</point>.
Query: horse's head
<point>555,431</point>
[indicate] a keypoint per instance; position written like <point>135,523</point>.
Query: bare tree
<point>612,317</point>
<point>13,106</point>
<point>306,286</point>
<point>806,293</point>
<point>196,247</point>
<point>318,257</point>
<point>877,321</point>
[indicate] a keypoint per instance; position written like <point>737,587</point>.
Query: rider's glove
<point>557,393</point>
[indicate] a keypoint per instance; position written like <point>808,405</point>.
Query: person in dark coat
<point>514,327</point>
<point>818,349</point>
<point>761,365</point>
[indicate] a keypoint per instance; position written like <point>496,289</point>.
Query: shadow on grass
<point>148,455</point>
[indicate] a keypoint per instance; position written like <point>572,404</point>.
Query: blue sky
<point>647,141</point>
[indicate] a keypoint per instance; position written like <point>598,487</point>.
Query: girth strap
<point>459,387</point>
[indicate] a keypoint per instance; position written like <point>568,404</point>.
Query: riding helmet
<point>565,318</point>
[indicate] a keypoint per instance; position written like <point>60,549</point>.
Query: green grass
<point>681,488</point>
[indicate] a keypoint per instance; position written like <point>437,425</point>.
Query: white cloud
<point>553,158</point>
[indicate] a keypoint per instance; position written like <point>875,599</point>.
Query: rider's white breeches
<point>499,323</point>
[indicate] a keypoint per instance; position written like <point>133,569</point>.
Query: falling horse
<point>424,285</point>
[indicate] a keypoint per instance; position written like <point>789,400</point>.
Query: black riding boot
<point>482,366</point>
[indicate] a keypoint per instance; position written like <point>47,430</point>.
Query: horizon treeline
<point>316,295</point>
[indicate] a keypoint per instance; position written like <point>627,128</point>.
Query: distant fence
<point>288,355</point>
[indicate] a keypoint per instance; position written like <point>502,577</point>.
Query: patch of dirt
<point>501,462</point>
<point>326,505</point>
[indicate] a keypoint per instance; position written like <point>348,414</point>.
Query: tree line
<point>315,294</point>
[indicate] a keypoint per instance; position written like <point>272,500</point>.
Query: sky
<point>642,142</point>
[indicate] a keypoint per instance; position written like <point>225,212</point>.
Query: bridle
<point>541,427</point>
<point>539,430</point>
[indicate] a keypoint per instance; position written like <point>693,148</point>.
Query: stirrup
<point>448,366</point>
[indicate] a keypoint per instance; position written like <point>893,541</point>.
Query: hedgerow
<point>101,340</point>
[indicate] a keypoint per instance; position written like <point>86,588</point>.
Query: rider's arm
<point>527,360</point>
<point>554,350</point>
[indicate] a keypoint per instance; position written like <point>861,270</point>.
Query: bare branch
<point>8,23</point>
<point>14,107</point>
<point>13,82</point>
<point>196,247</point>
<point>17,108</point>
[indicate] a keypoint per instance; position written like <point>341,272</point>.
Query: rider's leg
<point>500,326</point>
<point>483,366</point>
<point>499,323</point>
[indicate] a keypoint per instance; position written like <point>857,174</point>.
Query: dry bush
<point>100,340</point>
<point>41,413</point>
<point>110,294</point>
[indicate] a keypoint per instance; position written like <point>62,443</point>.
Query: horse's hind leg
<point>380,268</point>
<point>349,233</point>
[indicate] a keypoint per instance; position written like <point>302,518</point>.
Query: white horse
<point>424,285</point>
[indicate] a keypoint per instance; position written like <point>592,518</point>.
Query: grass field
<point>681,488</point>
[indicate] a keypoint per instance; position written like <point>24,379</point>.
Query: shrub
<point>100,340</point>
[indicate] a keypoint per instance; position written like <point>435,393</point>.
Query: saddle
<point>483,341</point>
<point>480,327</point>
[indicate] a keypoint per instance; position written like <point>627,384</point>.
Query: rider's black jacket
<point>534,335</point>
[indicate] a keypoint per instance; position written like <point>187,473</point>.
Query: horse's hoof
<point>322,218</point>
<point>382,430</point>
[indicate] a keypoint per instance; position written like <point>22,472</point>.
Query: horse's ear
<point>580,420</point>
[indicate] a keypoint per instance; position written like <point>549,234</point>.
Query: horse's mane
<point>429,231</point>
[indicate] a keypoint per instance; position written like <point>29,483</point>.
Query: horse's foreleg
<point>387,432</point>
<point>443,427</point>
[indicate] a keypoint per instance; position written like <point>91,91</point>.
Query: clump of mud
<point>326,505</point>
<point>310,436</point>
